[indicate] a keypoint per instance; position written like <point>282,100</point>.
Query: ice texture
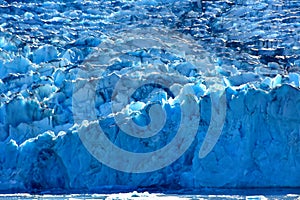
<point>253,46</point>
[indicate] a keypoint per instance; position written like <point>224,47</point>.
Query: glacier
<point>62,62</point>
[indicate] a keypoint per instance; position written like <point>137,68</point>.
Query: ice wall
<point>47,47</point>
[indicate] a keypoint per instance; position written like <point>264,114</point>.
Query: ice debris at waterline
<point>238,61</point>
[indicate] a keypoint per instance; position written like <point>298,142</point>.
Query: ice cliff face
<point>232,67</point>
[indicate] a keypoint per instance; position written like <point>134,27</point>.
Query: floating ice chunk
<point>259,197</point>
<point>44,54</point>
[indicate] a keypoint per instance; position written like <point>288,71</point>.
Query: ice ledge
<point>258,147</point>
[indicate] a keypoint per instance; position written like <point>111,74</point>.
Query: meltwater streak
<point>92,135</point>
